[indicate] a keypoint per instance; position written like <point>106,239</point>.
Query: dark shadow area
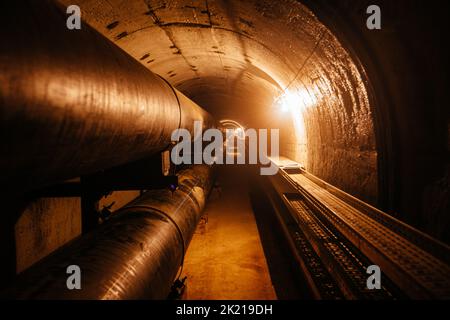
<point>287,280</point>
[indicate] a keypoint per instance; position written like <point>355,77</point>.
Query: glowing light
<point>239,132</point>
<point>284,108</point>
<point>238,129</point>
<point>296,104</point>
<point>292,101</point>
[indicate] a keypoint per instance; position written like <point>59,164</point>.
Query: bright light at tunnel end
<point>232,147</point>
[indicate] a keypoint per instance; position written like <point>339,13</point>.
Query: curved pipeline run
<point>136,254</point>
<point>73,103</point>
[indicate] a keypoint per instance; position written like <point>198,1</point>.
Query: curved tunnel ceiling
<point>235,58</point>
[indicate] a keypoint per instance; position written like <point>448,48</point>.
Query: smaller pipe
<point>136,254</point>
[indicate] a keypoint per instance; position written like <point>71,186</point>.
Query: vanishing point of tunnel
<point>353,120</point>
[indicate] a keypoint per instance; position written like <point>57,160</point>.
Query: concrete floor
<point>225,259</point>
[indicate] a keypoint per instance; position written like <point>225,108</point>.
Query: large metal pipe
<point>135,255</point>
<point>72,102</point>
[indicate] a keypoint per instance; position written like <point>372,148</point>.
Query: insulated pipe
<point>73,103</point>
<point>136,254</point>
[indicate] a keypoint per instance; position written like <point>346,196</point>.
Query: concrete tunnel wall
<point>367,123</point>
<point>235,57</point>
<point>407,64</point>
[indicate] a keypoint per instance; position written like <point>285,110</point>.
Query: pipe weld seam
<point>176,97</point>
<point>180,233</point>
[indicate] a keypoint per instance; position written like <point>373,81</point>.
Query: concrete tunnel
<point>86,115</point>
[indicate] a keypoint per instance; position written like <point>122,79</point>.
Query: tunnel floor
<point>225,259</point>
